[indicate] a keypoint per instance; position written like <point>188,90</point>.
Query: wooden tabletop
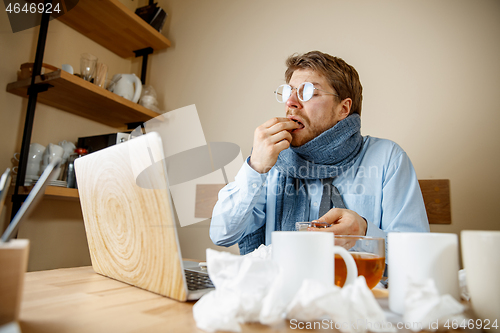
<point>79,300</point>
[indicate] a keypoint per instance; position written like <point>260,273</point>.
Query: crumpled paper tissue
<point>462,283</point>
<point>424,305</point>
<point>247,290</point>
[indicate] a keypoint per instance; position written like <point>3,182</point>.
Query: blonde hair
<point>341,76</point>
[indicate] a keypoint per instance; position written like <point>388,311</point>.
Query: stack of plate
<point>60,183</point>
<point>29,181</point>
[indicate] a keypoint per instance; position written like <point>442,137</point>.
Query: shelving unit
<point>54,192</point>
<point>75,95</point>
<point>112,25</point>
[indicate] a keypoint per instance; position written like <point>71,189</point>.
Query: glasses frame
<point>276,93</point>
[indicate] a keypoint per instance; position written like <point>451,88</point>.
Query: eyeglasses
<point>305,92</point>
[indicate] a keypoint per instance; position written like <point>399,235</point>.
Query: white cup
<point>51,152</point>
<point>32,169</point>
<point>480,251</point>
<point>417,257</point>
<point>68,68</point>
<point>69,148</point>
<point>307,255</point>
<point>34,159</point>
<point>36,150</point>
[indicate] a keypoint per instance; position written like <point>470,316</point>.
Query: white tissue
<point>241,284</point>
<point>247,291</point>
<point>424,305</point>
<point>263,252</point>
<point>462,283</point>
<point>353,308</point>
<point>217,310</point>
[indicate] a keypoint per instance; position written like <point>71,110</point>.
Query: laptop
<point>129,219</point>
<point>36,193</point>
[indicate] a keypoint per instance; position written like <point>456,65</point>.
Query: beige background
<point>430,72</point>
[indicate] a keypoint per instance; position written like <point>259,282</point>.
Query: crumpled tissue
<point>247,289</point>
<point>424,305</point>
<point>353,308</point>
<point>462,283</point>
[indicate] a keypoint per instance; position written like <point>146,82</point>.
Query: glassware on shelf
<point>88,63</point>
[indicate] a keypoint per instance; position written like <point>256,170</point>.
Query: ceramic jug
<point>123,85</point>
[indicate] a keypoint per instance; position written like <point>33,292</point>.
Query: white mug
<point>32,169</point>
<point>34,159</point>
<point>36,150</point>
<point>307,255</point>
<point>417,257</point>
<point>69,148</point>
<point>51,152</point>
<point>67,67</point>
<point>480,251</point>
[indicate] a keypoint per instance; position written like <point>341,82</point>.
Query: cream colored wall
<point>429,69</point>
<point>430,72</point>
<point>55,228</point>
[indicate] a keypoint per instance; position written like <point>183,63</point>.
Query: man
<point>314,164</point>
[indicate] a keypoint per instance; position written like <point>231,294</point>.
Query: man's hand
<point>343,222</point>
<point>269,140</point>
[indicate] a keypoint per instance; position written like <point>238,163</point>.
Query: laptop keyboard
<point>197,280</point>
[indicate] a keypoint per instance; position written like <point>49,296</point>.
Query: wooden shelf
<point>61,192</point>
<point>111,24</point>
<point>80,97</point>
<point>54,192</point>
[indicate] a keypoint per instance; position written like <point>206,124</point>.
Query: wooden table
<point>79,300</point>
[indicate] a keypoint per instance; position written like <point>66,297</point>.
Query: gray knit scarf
<point>326,156</point>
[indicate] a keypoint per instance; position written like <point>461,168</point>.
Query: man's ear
<point>345,108</point>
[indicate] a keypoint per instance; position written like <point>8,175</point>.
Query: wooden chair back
<point>436,194</point>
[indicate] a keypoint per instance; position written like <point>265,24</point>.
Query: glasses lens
<point>283,93</point>
<point>306,91</point>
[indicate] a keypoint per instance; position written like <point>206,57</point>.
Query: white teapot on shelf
<point>123,85</point>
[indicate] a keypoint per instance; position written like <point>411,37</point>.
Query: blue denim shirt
<point>381,186</point>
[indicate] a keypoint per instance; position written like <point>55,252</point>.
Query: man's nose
<point>293,101</point>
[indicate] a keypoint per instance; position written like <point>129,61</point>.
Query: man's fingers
<point>275,120</point>
<point>282,127</point>
<point>282,145</point>
<point>343,222</point>
<point>267,146</point>
<point>337,229</point>
<point>280,136</point>
<point>332,216</point>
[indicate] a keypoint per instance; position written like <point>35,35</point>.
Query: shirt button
<point>315,204</point>
<point>254,185</point>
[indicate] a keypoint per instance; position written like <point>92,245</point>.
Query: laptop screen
<point>32,200</point>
